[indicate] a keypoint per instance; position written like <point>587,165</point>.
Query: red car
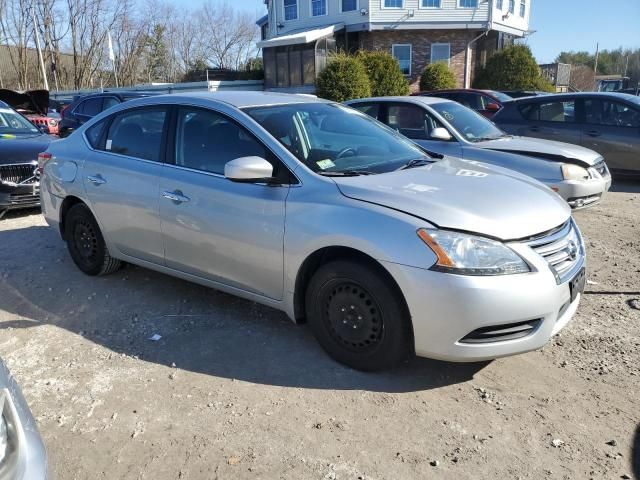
<point>486,102</point>
<point>34,105</point>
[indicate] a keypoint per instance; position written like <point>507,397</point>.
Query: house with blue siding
<point>299,35</point>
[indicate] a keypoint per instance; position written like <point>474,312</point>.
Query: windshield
<point>331,138</point>
<point>12,122</point>
<point>471,125</point>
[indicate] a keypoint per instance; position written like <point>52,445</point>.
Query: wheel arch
<point>315,260</point>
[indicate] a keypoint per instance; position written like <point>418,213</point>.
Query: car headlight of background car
<point>465,254</point>
<point>574,172</point>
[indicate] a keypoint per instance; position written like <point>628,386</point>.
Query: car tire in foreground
<point>86,244</point>
<point>358,316</point>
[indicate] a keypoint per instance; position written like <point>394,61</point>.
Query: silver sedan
<point>320,211</point>
<point>577,174</point>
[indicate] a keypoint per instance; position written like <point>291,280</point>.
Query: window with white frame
<point>441,52</point>
<point>431,3</point>
<point>393,3</point>
<point>349,5</point>
<point>512,6</point>
<point>523,7</point>
<point>290,9</point>
<point>402,53</point>
<point>499,4</point>
<point>468,3</point>
<point>318,8</point>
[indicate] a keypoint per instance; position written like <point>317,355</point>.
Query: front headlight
<point>574,172</point>
<point>471,255</point>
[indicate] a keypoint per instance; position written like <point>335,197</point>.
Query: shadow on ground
<point>202,330</point>
<point>625,185</point>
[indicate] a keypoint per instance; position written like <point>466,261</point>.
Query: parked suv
<point>319,210</point>
<point>86,107</point>
<point>608,123</point>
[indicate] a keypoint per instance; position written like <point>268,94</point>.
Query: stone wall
<point>421,41</point>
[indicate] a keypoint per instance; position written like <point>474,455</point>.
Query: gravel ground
<point>235,390</point>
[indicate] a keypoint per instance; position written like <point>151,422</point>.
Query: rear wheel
<point>358,316</point>
<point>86,244</point>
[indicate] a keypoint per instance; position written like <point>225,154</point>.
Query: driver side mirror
<point>249,170</point>
<point>440,134</point>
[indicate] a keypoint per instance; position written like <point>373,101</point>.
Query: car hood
<point>464,195</point>
<point>22,148</point>
<point>547,149</point>
<point>35,101</point>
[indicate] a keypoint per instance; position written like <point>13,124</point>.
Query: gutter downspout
<point>467,56</point>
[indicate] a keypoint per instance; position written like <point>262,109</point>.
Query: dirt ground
<point>235,390</point>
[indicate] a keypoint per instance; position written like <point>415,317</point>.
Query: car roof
<point>547,98</point>
<point>242,99</point>
<point>417,100</point>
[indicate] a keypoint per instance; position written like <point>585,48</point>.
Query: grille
<point>21,173</point>
<point>601,168</point>
<point>563,250</point>
<point>501,333</point>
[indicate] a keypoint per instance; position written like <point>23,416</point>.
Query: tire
<point>358,316</point>
<point>86,244</point>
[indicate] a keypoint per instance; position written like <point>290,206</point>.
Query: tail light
<point>43,158</point>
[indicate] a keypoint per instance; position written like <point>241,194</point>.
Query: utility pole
<point>595,68</point>
<point>626,66</point>
<point>35,28</point>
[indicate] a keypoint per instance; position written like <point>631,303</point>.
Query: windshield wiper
<point>416,162</point>
<point>346,173</point>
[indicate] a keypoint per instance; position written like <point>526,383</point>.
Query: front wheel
<point>86,244</point>
<point>358,316</point>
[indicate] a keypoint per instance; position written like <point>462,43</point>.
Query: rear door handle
<point>594,133</point>
<point>176,196</point>
<point>96,179</point>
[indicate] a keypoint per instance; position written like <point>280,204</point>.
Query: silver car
<point>22,453</point>
<point>577,174</point>
<point>318,210</point>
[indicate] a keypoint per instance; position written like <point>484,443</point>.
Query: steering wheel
<point>344,151</point>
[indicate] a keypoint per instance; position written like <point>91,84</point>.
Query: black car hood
<point>22,148</point>
<point>36,101</point>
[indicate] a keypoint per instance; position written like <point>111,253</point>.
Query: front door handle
<point>176,197</point>
<point>96,179</point>
<point>594,133</point>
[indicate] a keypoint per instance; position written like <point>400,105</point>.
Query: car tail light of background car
<point>43,158</point>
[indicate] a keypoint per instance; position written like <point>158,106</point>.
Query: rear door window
<point>137,133</point>
<point>409,120</point>
<point>94,133</point>
<point>559,112</point>
<point>371,109</point>
<point>90,107</point>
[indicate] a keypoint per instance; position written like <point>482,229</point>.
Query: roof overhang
<point>297,38</point>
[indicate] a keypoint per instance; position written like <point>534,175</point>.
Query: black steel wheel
<point>86,244</point>
<point>358,315</point>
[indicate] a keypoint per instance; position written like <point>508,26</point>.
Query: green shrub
<point>437,76</point>
<point>344,78</point>
<point>513,68</point>
<point>384,73</point>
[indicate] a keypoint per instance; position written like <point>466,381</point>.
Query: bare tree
<point>16,27</point>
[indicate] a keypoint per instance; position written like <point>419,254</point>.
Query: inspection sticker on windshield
<point>324,164</point>
<point>447,115</point>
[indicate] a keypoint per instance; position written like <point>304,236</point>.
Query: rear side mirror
<point>249,170</point>
<point>492,107</point>
<point>440,134</point>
